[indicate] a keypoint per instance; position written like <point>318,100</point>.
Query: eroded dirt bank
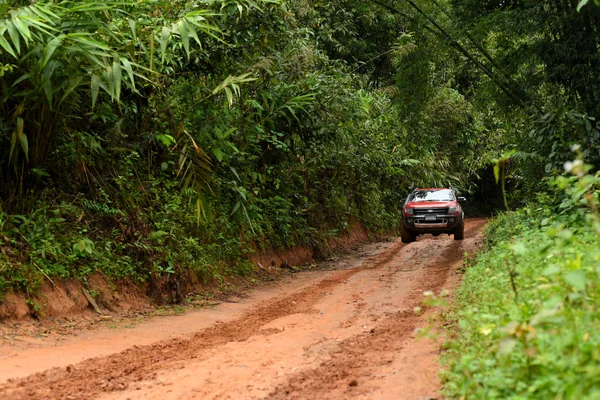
<point>346,332</point>
<point>71,299</point>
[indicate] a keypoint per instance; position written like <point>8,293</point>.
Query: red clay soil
<point>301,255</point>
<point>65,298</point>
<point>347,331</point>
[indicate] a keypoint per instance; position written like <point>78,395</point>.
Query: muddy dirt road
<point>344,332</point>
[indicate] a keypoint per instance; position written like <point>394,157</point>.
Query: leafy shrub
<point>526,315</point>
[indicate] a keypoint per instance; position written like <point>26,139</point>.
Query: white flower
<point>568,166</point>
<point>574,166</point>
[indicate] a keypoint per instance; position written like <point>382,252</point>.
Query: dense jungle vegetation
<point>144,139</point>
<point>148,139</point>
<point>526,317</point>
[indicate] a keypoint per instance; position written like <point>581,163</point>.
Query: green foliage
<point>582,3</point>
<point>55,241</point>
<point>149,154</point>
<point>64,54</point>
<point>175,137</point>
<point>548,50</point>
<point>533,333</point>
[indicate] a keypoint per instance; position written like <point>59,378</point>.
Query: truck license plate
<point>430,218</point>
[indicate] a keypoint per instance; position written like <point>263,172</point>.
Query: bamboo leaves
<point>194,169</point>
<point>298,103</point>
<point>50,48</point>
<point>127,66</point>
<point>5,45</point>
<point>22,28</point>
<point>231,86</point>
<point>14,37</point>
<point>64,48</point>
<point>20,137</point>
<point>113,78</point>
<point>164,40</point>
<point>95,81</point>
<point>85,39</point>
<point>27,24</point>
<point>188,27</point>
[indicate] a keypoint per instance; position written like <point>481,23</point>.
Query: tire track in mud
<point>348,372</point>
<point>116,372</point>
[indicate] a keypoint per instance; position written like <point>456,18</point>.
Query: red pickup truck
<point>432,210</point>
